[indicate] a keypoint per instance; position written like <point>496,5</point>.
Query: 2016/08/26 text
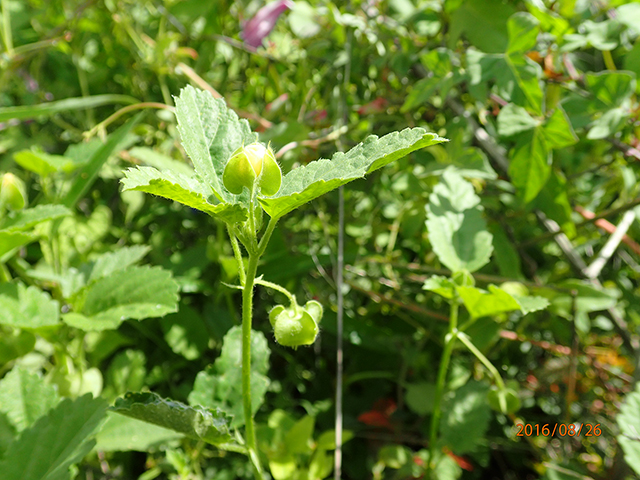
<point>562,429</point>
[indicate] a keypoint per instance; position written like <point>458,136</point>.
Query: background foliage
<point>105,292</point>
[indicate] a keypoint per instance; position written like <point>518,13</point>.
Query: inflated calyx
<point>253,166</point>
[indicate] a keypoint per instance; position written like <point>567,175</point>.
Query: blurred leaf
<point>483,22</point>
<point>47,449</point>
<point>16,344</point>
<point>628,421</point>
<point>27,307</point>
<point>211,426</point>
<point>420,397</point>
<point>457,231</point>
<point>121,434</point>
<point>221,384</point>
<point>299,436</point>
<point>558,131</point>
<point>42,163</point>
<point>465,418</point>
<point>10,241</point>
<point>51,108</point>
<point>530,165</point>
<point>25,397</point>
<point>111,262</point>
<point>133,293</point>
<point>186,333</point>
<point>611,88</point>
<point>480,303</point>
<point>88,173</point>
<point>513,120</point>
<point>441,285</point>
<point>523,31</point>
<point>25,219</point>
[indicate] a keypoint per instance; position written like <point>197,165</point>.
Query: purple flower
<point>256,29</point>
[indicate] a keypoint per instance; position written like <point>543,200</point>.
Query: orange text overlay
<point>557,430</point>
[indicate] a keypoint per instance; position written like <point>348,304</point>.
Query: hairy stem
<point>247,313</point>
<point>449,342</point>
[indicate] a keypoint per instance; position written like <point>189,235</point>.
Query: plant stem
<point>275,286</point>
<point>449,342</point>
<point>464,338</point>
<point>247,311</point>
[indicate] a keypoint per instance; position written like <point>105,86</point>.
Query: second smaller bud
<point>253,166</point>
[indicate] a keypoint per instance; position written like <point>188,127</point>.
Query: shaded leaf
<point>25,397</point>
<point>27,307</point>
<point>29,217</point>
<point>47,449</point>
<point>221,384</point>
<point>530,165</point>
<point>132,293</point>
<point>465,418</point>
<point>200,423</point>
<point>457,231</point>
<point>121,434</point>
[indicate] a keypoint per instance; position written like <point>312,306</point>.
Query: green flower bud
<point>296,325</point>
<point>252,165</point>
<point>13,193</point>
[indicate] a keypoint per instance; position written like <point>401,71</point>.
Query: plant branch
<point>593,270</point>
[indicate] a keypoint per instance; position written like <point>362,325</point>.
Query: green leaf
<point>526,74</point>
<point>51,108</point>
<point>482,304</point>
<point>161,162</point>
<point>221,384</point>
<point>186,333</point>
<point>133,293</point>
<point>182,189</point>
<point>88,173</point>
<point>305,183</point>
<point>47,449</point>
<point>42,163</point>
<point>25,219</point>
<point>608,123</point>
<point>200,423</point>
<point>420,397</point>
<point>16,344</point>
<point>484,23</point>
<point>611,88</point>
<point>523,31</point>
<point>530,165</point>
<point>111,262</point>
<point>210,133</point>
<point>441,285</point>
<point>465,418</point>
<point>514,119</point>
<point>558,131</point>
<point>27,307</point>
<point>531,304</point>
<point>121,434</point>
<point>629,424</point>
<point>25,397</point>
<point>589,298</point>
<point>553,200</point>
<point>457,231</point>
<point>10,241</point>
<point>299,437</point>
